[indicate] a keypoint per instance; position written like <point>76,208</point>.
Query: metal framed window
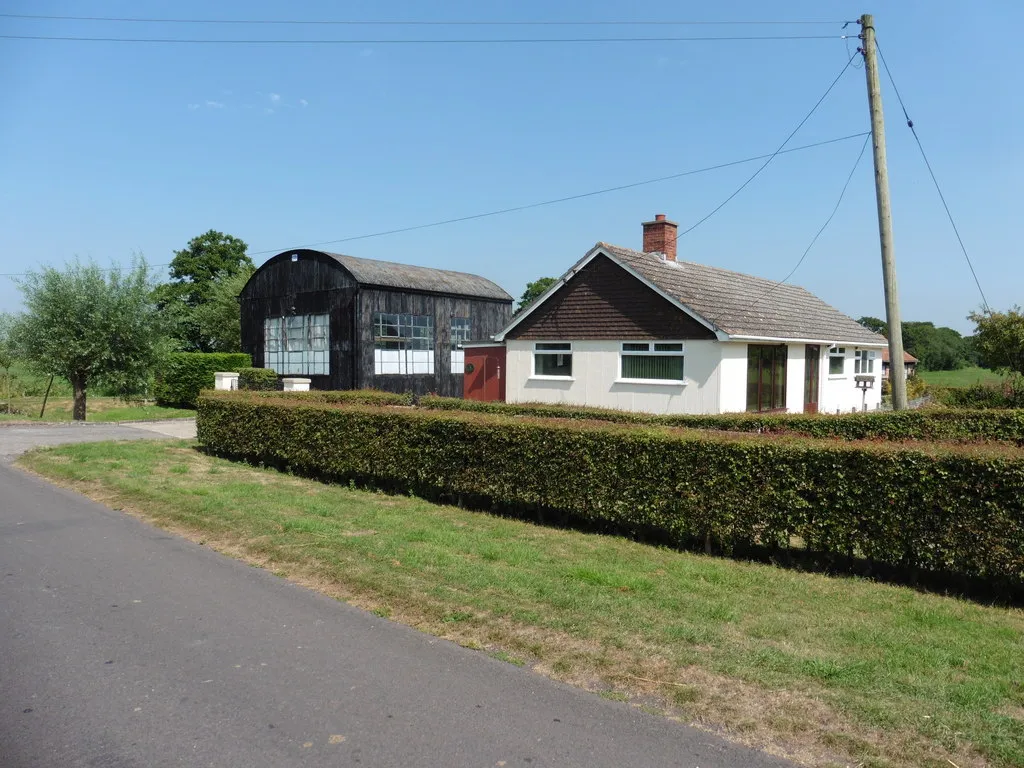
<point>836,361</point>
<point>864,362</point>
<point>660,361</point>
<point>403,344</point>
<point>552,358</point>
<point>460,335</point>
<point>297,345</point>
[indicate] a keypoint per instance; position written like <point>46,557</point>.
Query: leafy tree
<point>89,325</point>
<point>6,353</point>
<point>875,324</point>
<point>938,349</point>
<point>219,319</point>
<point>195,272</point>
<point>534,290</point>
<point>999,339</point>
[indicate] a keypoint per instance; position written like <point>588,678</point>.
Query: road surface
<point>122,646</point>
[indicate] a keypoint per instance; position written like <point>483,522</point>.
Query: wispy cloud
<point>303,103</point>
<point>215,104</point>
<point>193,107</point>
<point>275,98</point>
<point>268,111</point>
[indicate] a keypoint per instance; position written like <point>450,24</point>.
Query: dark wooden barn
<point>350,323</point>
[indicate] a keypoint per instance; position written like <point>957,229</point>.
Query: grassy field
<point>829,671</point>
<point>97,409</point>
<point>964,377</point>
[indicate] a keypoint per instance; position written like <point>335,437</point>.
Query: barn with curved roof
<point>351,323</point>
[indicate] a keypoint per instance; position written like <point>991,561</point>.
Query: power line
<point>773,155</point>
<point>424,41</point>
<point>557,200</point>
<point>409,23</point>
<point>542,203</point>
<point>935,181</point>
<point>835,209</point>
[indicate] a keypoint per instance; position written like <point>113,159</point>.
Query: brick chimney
<point>660,236</point>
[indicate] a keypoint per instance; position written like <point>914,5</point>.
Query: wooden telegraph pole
<point>897,370</point>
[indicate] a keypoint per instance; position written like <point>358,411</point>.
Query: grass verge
<point>97,409</point>
<point>827,671</point>
<point>963,377</point>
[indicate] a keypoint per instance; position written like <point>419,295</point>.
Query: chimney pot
<point>660,236</point>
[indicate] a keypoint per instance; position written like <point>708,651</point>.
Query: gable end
<point>604,301</point>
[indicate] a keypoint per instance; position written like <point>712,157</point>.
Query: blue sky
<point>110,149</point>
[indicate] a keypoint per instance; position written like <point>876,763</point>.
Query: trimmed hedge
<point>938,511</point>
<point>186,374</point>
<point>257,379</point>
<point>932,424</point>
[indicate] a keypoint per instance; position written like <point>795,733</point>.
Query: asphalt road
<point>124,647</point>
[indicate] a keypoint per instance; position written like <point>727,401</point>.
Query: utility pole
<point>897,370</point>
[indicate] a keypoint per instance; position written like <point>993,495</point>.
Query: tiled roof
<point>907,357</point>
<point>744,305</point>
<point>387,274</point>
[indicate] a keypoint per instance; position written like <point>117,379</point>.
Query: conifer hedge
<point>934,508</point>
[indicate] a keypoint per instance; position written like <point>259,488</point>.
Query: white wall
<point>716,375</point>
<point>733,377</point>
<point>839,391</point>
<point>595,371</point>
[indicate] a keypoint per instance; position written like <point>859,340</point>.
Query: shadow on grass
<point>993,591</point>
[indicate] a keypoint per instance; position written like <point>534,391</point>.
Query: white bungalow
<point>641,331</point>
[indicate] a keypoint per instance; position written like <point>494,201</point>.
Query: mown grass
<point>963,377</point>
<point>831,671</point>
<point>97,409</point>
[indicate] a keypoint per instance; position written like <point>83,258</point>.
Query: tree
<point>195,273</point>
<point>875,324</point>
<point>999,339</point>
<point>534,290</point>
<point>91,325</point>
<point>938,349</point>
<point>6,353</point>
<point>219,320</point>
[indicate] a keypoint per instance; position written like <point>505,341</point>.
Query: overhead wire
<point>835,209</point>
<point>935,181</point>
<point>542,203</point>
<point>774,154</point>
<point>420,41</point>
<point>414,22</point>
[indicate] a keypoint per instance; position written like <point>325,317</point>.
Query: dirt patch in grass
<point>823,671</point>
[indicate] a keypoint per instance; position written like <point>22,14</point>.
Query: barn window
<point>552,358</point>
<point>403,344</point>
<point>297,345</point>
<point>460,335</point>
<point>644,361</point>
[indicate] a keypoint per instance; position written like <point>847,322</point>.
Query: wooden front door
<point>812,365</point>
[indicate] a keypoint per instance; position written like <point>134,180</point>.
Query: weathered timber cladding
<point>604,301</point>
<point>316,283</point>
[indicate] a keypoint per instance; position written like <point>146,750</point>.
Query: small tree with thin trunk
<point>999,339</point>
<point>91,325</point>
<point>6,353</point>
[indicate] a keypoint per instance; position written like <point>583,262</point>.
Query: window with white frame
<point>297,345</point>
<point>403,344</point>
<point>864,361</point>
<point>552,358</point>
<point>836,361</point>
<point>651,361</point>
<point>460,335</point>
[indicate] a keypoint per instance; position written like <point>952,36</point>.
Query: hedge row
<point>942,511</point>
<point>955,425</point>
<point>1009,394</point>
<point>257,379</point>
<point>186,374</point>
